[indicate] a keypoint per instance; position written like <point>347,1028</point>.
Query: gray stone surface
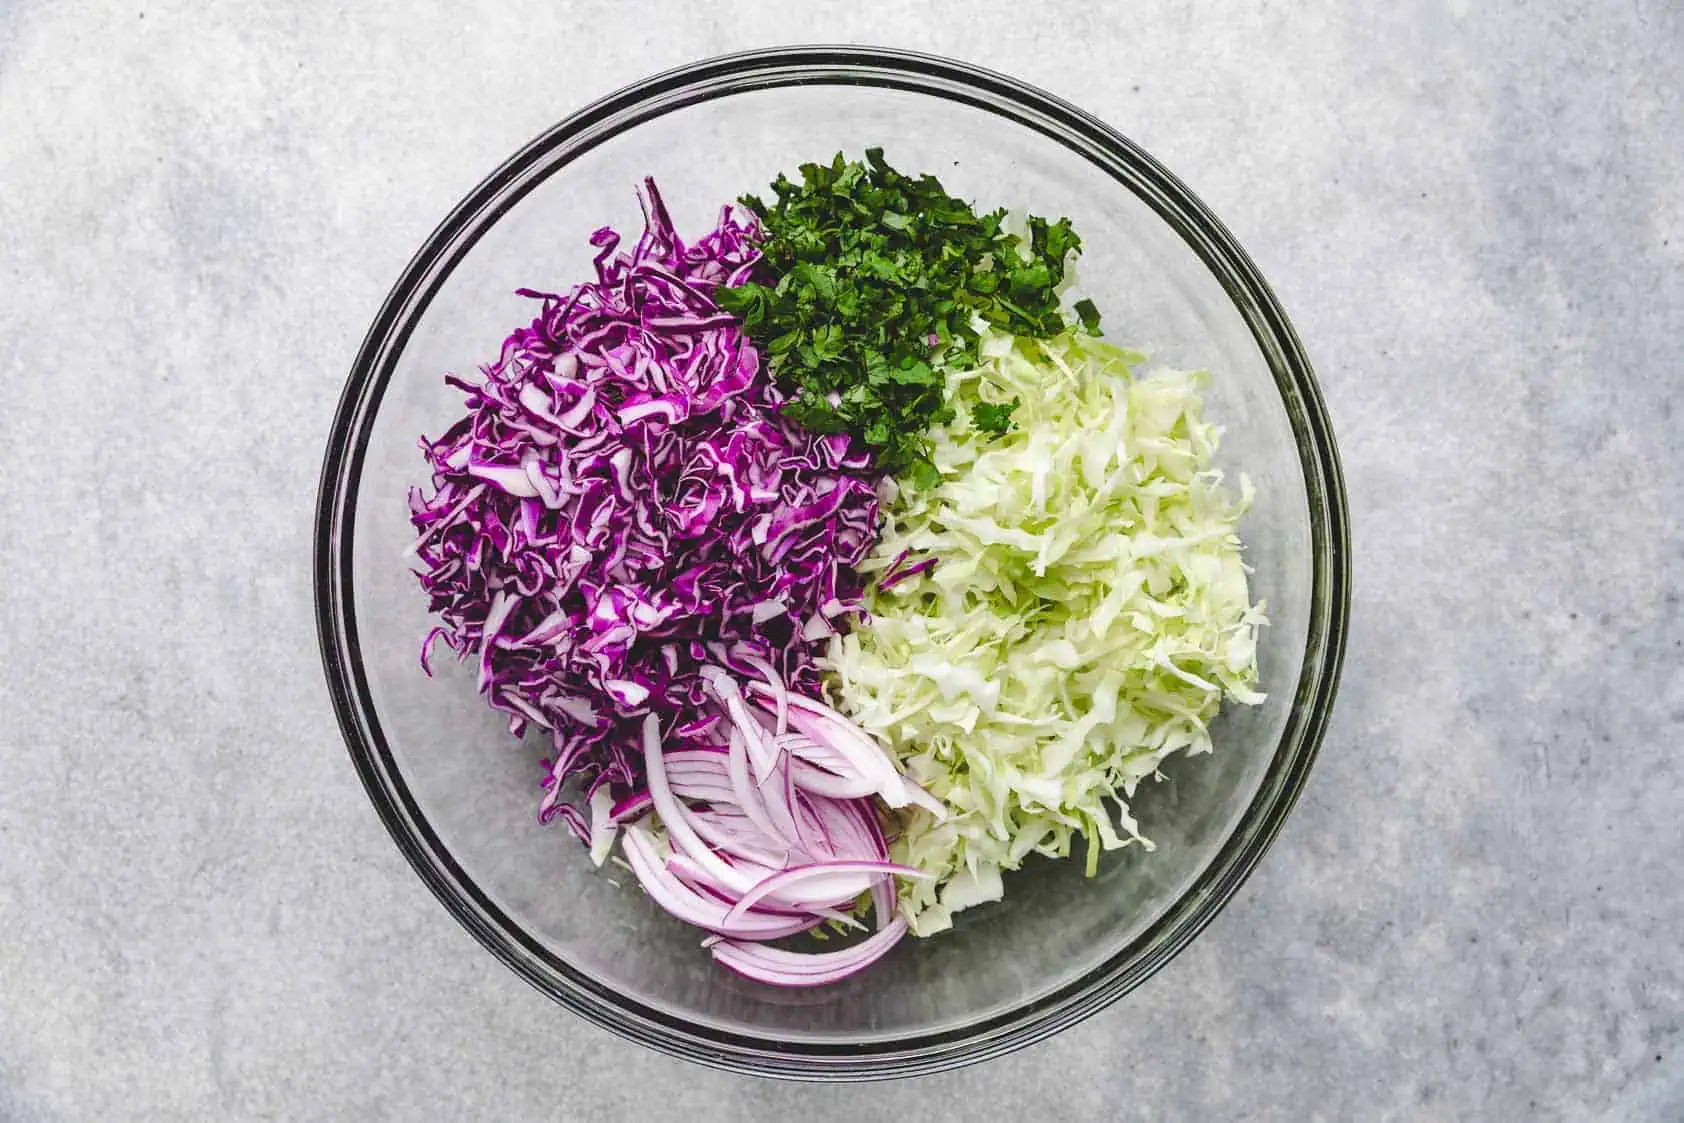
<point>1475,214</point>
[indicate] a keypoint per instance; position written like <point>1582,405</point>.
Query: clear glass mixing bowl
<point>459,794</point>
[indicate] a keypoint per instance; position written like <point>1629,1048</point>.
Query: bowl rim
<point>1133,169</point>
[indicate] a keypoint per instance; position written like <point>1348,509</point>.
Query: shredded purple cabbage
<point>623,503</point>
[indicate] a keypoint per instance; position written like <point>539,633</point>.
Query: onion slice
<point>822,781</point>
<point>693,908</point>
<point>792,969</point>
<point>780,883</point>
<point>772,833</point>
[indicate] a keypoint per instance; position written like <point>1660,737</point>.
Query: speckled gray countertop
<point>1475,214</point>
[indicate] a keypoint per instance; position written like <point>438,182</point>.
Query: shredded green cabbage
<point>1086,616</point>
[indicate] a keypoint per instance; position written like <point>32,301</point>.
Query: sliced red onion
<point>822,781</point>
<point>684,775</point>
<point>805,748</point>
<point>748,796</point>
<point>695,774</point>
<point>842,827</point>
<point>693,908</point>
<point>790,969</point>
<point>703,790</point>
<point>827,727</point>
<point>830,887</point>
<point>799,744</point>
<point>777,795</point>
<point>690,871</point>
<point>746,843</point>
<point>867,817</point>
<point>780,696</point>
<point>759,750</point>
<point>813,828</point>
<point>693,875</point>
<point>853,824</point>
<point>695,754</point>
<point>862,756</point>
<point>884,895</point>
<point>771,833</point>
<point>673,814</point>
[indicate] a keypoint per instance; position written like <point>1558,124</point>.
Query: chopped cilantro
<point>1089,314</point>
<point>870,279</point>
<point>991,418</point>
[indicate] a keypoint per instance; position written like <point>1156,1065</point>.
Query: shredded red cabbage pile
<point>624,504</point>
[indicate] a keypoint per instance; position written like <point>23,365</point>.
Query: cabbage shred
<point>1087,614</point>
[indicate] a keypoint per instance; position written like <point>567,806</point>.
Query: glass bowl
<point>459,794</point>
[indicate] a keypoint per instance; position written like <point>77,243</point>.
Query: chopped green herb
<point>871,278</point>
<point>991,418</point>
<point>1089,313</point>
